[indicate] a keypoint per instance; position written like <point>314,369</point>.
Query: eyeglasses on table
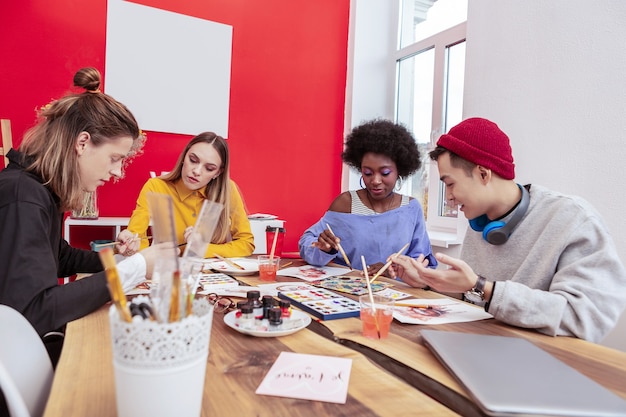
<point>220,303</point>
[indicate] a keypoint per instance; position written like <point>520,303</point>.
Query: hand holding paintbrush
<point>343,253</point>
<point>327,241</point>
<point>117,242</point>
<point>388,264</point>
<point>128,243</point>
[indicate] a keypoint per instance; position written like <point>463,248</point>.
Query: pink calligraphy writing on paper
<point>308,377</point>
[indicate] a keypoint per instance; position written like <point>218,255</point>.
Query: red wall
<point>286,105</point>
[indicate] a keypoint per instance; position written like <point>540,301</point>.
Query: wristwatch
<point>477,294</point>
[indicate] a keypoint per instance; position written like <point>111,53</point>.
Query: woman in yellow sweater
<point>201,172</point>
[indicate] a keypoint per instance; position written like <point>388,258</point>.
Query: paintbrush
<point>102,245</point>
<point>343,253</point>
<point>424,306</point>
<point>274,245</point>
<point>229,262</point>
<point>175,298</point>
<point>369,290</point>
<point>285,265</point>
<point>115,286</point>
<point>388,264</point>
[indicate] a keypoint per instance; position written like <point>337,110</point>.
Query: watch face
<point>475,297</point>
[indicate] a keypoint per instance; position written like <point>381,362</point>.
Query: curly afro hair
<point>383,137</point>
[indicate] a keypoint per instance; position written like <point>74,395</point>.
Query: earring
<point>361,182</point>
<point>398,186</point>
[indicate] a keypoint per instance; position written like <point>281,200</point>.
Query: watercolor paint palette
<point>212,281</point>
<point>350,284</point>
<point>323,304</point>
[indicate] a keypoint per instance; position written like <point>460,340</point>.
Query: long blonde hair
<point>218,189</point>
<point>50,144</point>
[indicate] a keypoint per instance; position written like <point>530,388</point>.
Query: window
<point>430,66</point>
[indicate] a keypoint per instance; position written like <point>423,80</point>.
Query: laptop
<point>510,376</point>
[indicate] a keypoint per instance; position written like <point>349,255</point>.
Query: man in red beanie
<point>534,258</point>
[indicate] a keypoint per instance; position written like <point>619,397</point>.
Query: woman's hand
<point>326,242</point>
<point>128,243</point>
<point>374,268</point>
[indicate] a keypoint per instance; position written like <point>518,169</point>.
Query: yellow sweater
<point>187,205</point>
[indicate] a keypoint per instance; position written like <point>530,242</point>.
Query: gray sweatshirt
<point>558,273</point>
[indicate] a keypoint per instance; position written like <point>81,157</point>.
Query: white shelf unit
<point>116,222</point>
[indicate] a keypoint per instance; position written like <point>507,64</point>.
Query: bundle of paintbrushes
<point>162,340</point>
<point>177,277</point>
<point>114,283</point>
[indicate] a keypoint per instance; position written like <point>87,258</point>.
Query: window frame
<point>448,230</point>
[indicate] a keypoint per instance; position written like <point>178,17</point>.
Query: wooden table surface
<point>393,376</point>
<point>84,382</point>
<point>404,355</point>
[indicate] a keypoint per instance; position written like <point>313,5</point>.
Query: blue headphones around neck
<point>497,232</point>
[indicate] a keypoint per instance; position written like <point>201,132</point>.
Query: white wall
<point>370,73</point>
<point>552,74</point>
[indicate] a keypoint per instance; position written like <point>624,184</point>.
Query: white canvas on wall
<point>171,70</point>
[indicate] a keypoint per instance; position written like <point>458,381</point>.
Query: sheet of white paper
<point>440,311</point>
<point>312,273</point>
<point>275,288</point>
<point>396,295</point>
<point>235,292</point>
<point>308,377</point>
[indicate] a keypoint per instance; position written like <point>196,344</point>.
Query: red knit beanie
<point>482,142</point>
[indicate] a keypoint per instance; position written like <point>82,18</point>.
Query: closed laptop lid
<point>510,376</point>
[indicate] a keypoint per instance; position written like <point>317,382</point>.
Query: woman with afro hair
<point>375,221</point>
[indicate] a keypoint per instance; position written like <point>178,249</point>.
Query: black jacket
<point>33,254</point>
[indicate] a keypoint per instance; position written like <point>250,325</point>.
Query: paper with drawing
<point>308,377</point>
<point>438,311</point>
<point>312,273</point>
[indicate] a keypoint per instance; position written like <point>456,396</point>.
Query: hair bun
<point>88,78</point>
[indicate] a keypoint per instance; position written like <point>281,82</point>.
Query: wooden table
<point>394,376</point>
<point>84,384</point>
<point>404,355</point>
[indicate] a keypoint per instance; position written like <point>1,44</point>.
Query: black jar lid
<point>253,294</point>
<point>275,315</point>
<point>268,300</point>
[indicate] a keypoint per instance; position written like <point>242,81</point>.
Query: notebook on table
<point>510,376</point>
